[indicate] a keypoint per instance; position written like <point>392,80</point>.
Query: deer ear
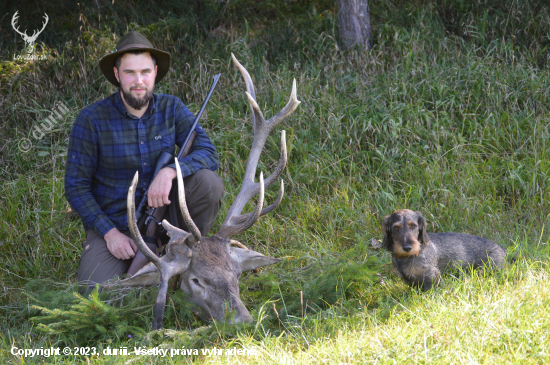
<point>250,259</point>
<point>149,275</point>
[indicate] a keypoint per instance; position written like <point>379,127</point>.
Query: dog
<point>420,257</point>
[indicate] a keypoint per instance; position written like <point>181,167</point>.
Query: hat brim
<point>107,63</point>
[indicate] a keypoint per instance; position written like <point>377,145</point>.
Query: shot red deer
<point>209,267</point>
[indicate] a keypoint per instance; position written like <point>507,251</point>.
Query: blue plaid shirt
<point>108,145</point>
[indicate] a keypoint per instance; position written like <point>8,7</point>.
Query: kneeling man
<point>124,133</point>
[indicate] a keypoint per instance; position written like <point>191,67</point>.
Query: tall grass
<point>448,114</point>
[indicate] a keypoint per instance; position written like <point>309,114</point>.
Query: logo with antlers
<point>29,40</point>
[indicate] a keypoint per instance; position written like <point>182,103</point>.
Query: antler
<point>235,222</point>
<point>35,34</point>
<point>178,251</point>
<point>132,224</point>
<point>176,234</point>
<point>183,207</point>
<point>24,35</point>
<point>14,22</point>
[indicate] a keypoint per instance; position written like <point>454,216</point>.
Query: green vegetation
<point>448,114</point>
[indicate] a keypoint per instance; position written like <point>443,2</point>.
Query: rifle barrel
<point>141,207</point>
<point>199,115</point>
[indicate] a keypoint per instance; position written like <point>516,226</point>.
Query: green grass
<point>448,114</point>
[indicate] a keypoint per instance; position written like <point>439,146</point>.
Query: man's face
<point>137,78</point>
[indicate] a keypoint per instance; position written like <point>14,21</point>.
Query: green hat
<point>134,41</point>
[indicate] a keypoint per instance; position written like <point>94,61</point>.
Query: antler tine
<point>132,224</point>
<point>36,32</point>
<point>183,206</point>
<point>227,231</point>
<point>14,22</point>
<point>292,104</point>
<point>47,18</point>
<point>254,187</point>
<point>267,182</point>
<point>242,218</point>
<point>44,26</point>
<point>233,220</point>
<point>282,162</point>
<point>262,130</point>
<point>248,83</point>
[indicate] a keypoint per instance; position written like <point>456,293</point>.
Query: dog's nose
<point>407,248</point>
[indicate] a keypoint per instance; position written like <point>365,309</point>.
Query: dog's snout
<point>407,248</point>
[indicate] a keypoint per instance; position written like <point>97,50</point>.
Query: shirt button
<point>141,142</point>
<point>145,164</point>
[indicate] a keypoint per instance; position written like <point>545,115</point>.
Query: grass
<point>477,320</point>
<point>448,114</point>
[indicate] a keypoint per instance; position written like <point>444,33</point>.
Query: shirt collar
<point>119,104</point>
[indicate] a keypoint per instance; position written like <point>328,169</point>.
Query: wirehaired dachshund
<point>420,257</point>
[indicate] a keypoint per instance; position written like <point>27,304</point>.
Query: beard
<point>137,102</point>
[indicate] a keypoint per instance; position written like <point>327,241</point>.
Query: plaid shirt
<point>108,145</point>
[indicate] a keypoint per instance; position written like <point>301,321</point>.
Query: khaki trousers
<point>203,194</point>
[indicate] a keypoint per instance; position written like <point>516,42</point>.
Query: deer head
<point>29,40</point>
<point>209,267</point>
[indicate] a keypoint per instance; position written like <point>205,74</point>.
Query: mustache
<point>137,102</point>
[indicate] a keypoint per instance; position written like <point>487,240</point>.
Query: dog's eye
<point>396,228</point>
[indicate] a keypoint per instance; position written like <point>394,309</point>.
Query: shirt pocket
<point>165,141</point>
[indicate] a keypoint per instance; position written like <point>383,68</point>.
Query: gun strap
<point>149,239</point>
<point>152,227</point>
<point>154,244</point>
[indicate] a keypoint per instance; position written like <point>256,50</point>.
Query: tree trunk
<point>354,24</point>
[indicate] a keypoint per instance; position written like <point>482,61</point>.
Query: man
<point>124,133</point>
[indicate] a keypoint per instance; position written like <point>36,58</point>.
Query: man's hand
<point>157,196</point>
<point>121,246</point>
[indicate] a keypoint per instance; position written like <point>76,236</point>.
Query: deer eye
<point>197,283</point>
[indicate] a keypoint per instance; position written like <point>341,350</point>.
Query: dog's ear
<point>387,241</point>
<point>422,234</point>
